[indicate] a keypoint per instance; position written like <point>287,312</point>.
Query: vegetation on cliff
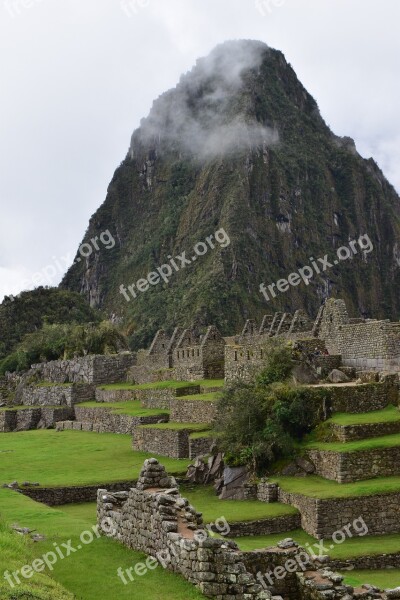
<point>240,144</point>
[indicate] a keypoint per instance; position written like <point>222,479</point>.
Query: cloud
<point>200,116</point>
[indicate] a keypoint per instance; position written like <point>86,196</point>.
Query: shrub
<point>258,424</point>
<point>278,364</point>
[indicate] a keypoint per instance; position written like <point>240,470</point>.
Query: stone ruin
<point>154,518</point>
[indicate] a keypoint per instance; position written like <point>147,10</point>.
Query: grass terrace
<point>386,441</point>
<point>132,408</point>
<point>90,572</point>
<point>388,578</point>
<point>203,498</point>
<point>351,548</point>
<point>317,487</point>
<point>163,385</point>
<point>390,414</point>
<point>72,458</point>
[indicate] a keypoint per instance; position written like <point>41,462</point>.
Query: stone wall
<point>165,442</point>
<point>95,369</point>
<point>153,398</point>
<point>321,518</point>
<point>58,496</point>
<point>114,395</point>
<point>348,433</point>
<point>114,423</point>
<point>192,411</point>
<point>32,418</point>
<point>346,467</point>
<point>155,519</point>
<point>365,344</point>
<point>200,446</point>
<point>282,524</point>
<point>363,397</point>
<point>57,395</point>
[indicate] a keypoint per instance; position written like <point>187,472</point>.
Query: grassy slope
<point>164,385</point>
<point>389,414</point>
<point>203,498</point>
<point>73,458</point>
<point>351,547</point>
<point>90,573</point>
<point>17,551</point>
<point>386,441</point>
<point>317,487</point>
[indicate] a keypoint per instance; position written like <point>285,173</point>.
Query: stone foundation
<point>192,411</point>
<point>346,467</point>
<point>165,442</point>
<point>57,395</point>
<point>155,519</point>
<point>321,518</point>
<point>349,433</point>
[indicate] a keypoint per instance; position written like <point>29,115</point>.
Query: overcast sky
<point>78,75</point>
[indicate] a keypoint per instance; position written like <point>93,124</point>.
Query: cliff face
<point>239,144</point>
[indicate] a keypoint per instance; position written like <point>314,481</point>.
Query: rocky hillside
<point>239,144</point>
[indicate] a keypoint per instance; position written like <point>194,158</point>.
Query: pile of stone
<point>154,475</point>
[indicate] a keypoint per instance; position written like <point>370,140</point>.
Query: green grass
<point>164,385</point>
<point>387,578</point>
<point>212,383</point>
<point>178,426</point>
<point>22,407</point>
<point>210,397</point>
<point>203,498</point>
<point>386,441</point>
<point>201,434</point>
<point>317,487</point>
<point>73,458</point>
<point>129,407</point>
<point>17,551</point>
<point>159,385</point>
<point>89,573</point>
<point>53,384</point>
<point>390,414</point>
<point>351,548</point>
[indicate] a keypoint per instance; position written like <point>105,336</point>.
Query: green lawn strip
<point>204,500</point>
<point>70,458</point>
<point>17,551</point>
<point>385,579</point>
<point>210,397</point>
<point>178,426</point>
<point>390,414</point>
<point>202,434</point>
<point>317,487</point>
<point>212,383</point>
<point>163,385</point>
<point>351,548</point>
<point>53,384</point>
<point>91,572</point>
<point>386,441</point>
<point>129,407</point>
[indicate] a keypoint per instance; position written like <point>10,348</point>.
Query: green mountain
<point>28,311</point>
<point>240,144</point>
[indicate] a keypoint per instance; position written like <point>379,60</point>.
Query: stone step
<point>348,433</point>
<point>167,440</point>
<point>347,467</point>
